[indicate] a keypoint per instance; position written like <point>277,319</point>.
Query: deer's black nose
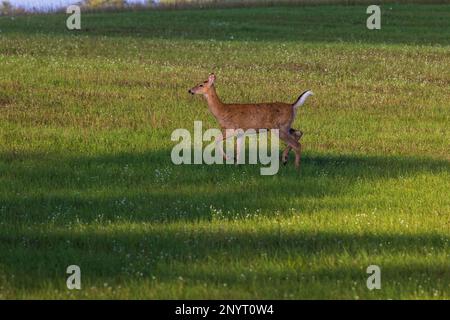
<point>190,91</point>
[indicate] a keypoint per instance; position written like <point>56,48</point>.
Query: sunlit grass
<point>86,176</point>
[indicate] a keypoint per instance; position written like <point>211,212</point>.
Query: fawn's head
<point>203,88</point>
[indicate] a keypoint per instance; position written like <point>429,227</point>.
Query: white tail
<point>301,100</point>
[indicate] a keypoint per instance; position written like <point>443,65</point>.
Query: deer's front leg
<point>219,144</point>
<point>226,134</point>
<point>239,141</point>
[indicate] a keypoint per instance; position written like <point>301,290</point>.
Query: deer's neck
<point>214,103</point>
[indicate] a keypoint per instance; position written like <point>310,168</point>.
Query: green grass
<point>86,176</point>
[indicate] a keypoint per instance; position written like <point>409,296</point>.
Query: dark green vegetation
<point>86,176</point>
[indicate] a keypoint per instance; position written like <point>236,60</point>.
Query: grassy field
<point>86,176</point>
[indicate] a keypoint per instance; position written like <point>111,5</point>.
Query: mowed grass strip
<point>87,179</point>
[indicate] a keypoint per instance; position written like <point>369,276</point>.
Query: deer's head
<point>203,88</point>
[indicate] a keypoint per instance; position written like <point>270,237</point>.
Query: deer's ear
<point>211,78</point>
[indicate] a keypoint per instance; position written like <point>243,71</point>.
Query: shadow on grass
<point>40,188</point>
<point>278,261</point>
<point>44,195</point>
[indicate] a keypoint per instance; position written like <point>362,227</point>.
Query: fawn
<point>274,115</point>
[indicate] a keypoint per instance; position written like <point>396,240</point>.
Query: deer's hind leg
<point>292,143</point>
<point>297,135</point>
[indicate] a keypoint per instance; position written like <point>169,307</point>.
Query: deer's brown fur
<point>274,115</point>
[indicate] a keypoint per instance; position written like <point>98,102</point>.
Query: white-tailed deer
<point>274,115</point>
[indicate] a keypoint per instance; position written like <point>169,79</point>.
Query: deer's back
<point>256,116</point>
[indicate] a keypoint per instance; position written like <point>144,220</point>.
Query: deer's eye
<point>201,85</point>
